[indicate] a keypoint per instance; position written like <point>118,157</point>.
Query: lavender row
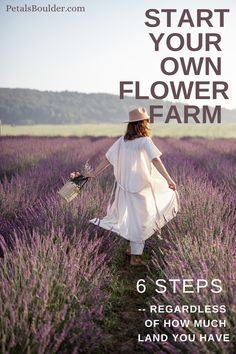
<point>198,244</point>
<point>54,266</point>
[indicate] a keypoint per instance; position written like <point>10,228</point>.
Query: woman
<point>145,196</point>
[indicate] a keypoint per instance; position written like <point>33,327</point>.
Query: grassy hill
<point>26,106</point>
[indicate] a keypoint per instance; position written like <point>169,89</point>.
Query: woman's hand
<point>74,174</point>
<point>171,184</point>
<point>161,168</point>
<point>87,175</point>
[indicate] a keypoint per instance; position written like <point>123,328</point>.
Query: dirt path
<point>122,336</point>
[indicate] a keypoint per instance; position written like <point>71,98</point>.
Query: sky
<point>93,51</point>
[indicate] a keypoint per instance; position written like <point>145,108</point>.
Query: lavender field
<point>66,286</point>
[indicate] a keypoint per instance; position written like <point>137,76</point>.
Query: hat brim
<point>136,120</point>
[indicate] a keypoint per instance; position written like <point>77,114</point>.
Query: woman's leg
<point>136,251</point>
<point>136,248</point>
<point>128,251</point>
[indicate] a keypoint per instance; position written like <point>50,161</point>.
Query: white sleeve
<point>112,152</point>
<point>151,149</point>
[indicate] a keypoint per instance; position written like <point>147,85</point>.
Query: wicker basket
<point>72,188</point>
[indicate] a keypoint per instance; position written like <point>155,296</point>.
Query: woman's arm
<point>102,165</point>
<point>161,168</point>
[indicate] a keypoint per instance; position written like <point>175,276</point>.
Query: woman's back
<point>131,160</point>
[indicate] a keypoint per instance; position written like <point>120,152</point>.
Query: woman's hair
<point>136,130</point>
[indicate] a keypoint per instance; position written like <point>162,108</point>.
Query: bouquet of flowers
<point>72,187</point>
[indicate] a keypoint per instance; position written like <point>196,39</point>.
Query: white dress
<point>143,201</point>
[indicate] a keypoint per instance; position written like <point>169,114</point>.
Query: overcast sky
<point>95,50</point>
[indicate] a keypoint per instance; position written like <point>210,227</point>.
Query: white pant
<point>137,247</point>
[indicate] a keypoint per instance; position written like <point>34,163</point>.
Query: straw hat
<point>137,114</point>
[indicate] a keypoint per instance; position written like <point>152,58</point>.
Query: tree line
<point>26,106</point>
